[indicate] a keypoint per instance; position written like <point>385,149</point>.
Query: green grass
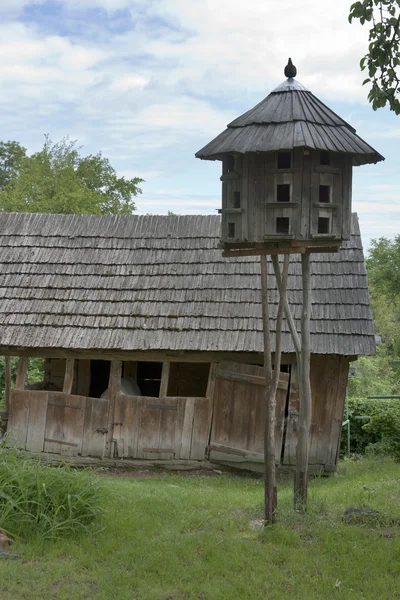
<point>187,538</point>
<point>40,501</point>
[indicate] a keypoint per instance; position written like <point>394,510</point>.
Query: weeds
<point>48,502</point>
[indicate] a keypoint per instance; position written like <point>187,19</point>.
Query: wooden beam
<point>164,380</point>
<point>255,379</point>
<point>149,356</point>
<point>21,373</point>
<point>263,252</point>
<point>114,388</point>
<point>69,375</point>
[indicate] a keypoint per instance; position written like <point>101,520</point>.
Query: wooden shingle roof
<point>160,283</point>
<point>290,117</point>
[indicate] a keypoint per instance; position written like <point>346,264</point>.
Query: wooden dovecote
<point>287,174</point>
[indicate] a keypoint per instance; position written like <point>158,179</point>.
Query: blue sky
<point>149,82</point>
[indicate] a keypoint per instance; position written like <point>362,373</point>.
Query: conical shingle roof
<point>290,117</point>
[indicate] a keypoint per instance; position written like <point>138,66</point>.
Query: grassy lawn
<point>171,537</point>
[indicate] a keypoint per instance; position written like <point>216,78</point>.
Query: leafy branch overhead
<point>382,60</point>
<point>58,180</point>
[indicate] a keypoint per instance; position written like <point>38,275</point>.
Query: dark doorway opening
<point>149,378</point>
<point>99,376</point>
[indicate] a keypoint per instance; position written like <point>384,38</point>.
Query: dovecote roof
<point>290,117</point>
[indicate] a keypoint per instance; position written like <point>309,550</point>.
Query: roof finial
<point>290,69</point>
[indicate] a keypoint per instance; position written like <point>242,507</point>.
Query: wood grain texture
<point>37,421</point>
<point>19,417</point>
<point>238,415</point>
<point>201,428</point>
<point>21,373</point>
<point>7,382</point>
<point>69,376</point>
<point>164,379</point>
<point>95,427</point>
<point>114,389</point>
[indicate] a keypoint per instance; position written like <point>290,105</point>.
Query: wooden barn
<point>149,299</point>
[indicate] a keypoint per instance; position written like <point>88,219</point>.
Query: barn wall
<point>329,374</point>
<point>179,379</point>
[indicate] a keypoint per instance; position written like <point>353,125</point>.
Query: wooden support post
<point>164,379</point>
<point>114,388</point>
<point>7,395</point>
<point>21,373</point>
<point>279,319</point>
<point>69,375</point>
<point>288,312</point>
<point>305,408</point>
<point>7,382</point>
<point>269,406</point>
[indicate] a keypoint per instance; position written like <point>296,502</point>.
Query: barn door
<point>160,427</point>
<point>237,433</point>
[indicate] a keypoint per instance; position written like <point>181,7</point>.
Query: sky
<point>150,82</point>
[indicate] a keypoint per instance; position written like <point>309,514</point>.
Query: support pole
<point>21,373</point>
<point>281,309</point>
<point>114,388</point>
<point>69,375</point>
<point>7,382</point>
<point>7,394</point>
<point>305,408</point>
<point>269,407</point>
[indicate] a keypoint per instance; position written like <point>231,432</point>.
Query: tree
<point>383,265</point>
<point>382,60</point>
<point>58,180</point>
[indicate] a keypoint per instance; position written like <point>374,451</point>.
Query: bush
<point>380,434</point>
<point>48,502</point>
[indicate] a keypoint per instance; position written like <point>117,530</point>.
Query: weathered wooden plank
<point>164,379</point>
<point>19,417</point>
<point>179,421</point>
<point>21,373</point>
<point>169,428</point>
<point>187,429</point>
<point>69,376</point>
<point>238,414</point>
<point>54,422</point>
<point>149,427</point>
<point>74,418</point>
<point>95,427</point>
<point>235,455</point>
<point>126,425</point>
<point>201,428</point>
<point>37,421</point>
<point>254,379</point>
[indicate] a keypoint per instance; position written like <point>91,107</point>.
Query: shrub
<point>381,433</point>
<point>48,502</point>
